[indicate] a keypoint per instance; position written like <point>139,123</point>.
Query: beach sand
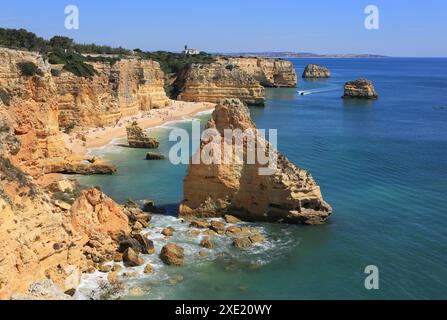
<point>98,137</point>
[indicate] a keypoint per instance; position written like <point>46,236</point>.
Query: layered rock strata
<point>216,81</point>
<point>31,105</point>
<point>361,88</point>
<point>289,194</point>
<point>316,71</point>
<point>269,72</point>
<point>122,89</point>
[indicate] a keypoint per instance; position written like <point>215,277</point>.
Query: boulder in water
<point>361,88</point>
<point>316,71</point>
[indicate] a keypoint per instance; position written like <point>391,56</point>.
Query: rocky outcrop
<point>81,164</point>
<point>361,88</point>
<point>172,254</point>
<point>137,138</point>
<point>155,156</point>
<point>316,71</point>
<point>289,194</point>
<point>216,81</point>
<point>122,89</point>
<point>93,213</point>
<point>269,72</point>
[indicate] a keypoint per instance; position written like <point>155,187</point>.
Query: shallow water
<point>381,165</point>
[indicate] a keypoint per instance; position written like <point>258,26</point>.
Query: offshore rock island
<point>289,195</point>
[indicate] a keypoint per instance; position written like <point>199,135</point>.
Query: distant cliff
<point>269,72</point>
<point>241,78</point>
<point>217,81</point>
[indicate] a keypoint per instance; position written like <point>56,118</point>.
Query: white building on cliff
<point>190,51</point>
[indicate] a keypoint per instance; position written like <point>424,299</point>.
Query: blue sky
<point>407,27</point>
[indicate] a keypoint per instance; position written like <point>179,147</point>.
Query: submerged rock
<point>155,156</point>
<point>242,243</point>
<point>231,219</point>
<point>168,232</point>
<point>172,254</point>
<point>316,71</point>
<point>137,138</point>
<point>288,194</point>
<point>361,88</point>
<point>200,224</point>
<point>207,243</point>
<point>148,269</point>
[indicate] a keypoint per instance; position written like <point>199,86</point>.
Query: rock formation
<point>269,72</point>
<point>288,195</point>
<point>216,81</point>
<point>125,88</point>
<point>172,254</point>
<point>137,138</point>
<point>154,156</point>
<point>316,71</point>
<point>361,88</point>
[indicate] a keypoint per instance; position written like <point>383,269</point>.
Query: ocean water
<point>382,165</point>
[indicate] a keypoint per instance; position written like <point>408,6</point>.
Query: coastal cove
<point>380,164</point>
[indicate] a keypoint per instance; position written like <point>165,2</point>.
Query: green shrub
<point>28,69</point>
<point>5,96</point>
<point>55,72</point>
<point>111,60</point>
<point>69,128</point>
<point>73,62</point>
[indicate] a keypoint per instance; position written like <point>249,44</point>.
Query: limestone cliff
<point>122,89</point>
<point>288,195</point>
<point>37,236</point>
<point>217,81</point>
<point>36,240</point>
<point>31,103</point>
<point>269,72</point>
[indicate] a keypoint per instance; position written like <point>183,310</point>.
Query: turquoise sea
<point>382,165</point>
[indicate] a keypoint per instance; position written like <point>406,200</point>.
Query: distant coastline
<point>302,55</point>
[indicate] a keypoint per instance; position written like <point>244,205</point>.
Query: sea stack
<point>361,88</point>
<point>289,194</point>
<point>137,138</point>
<point>316,71</point>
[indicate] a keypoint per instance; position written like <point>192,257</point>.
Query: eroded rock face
<point>37,240</point>
<point>316,71</point>
<point>31,105</point>
<point>289,195</point>
<point>216,81</point>
<point>137,138</point>
<point>361,88</point>
<point>95,213</point>
<point>126,88</point>
<point>269,72</point>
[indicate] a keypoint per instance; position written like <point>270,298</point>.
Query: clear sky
<point>406,27</point>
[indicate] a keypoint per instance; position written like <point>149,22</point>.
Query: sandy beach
<point>81,141</point>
